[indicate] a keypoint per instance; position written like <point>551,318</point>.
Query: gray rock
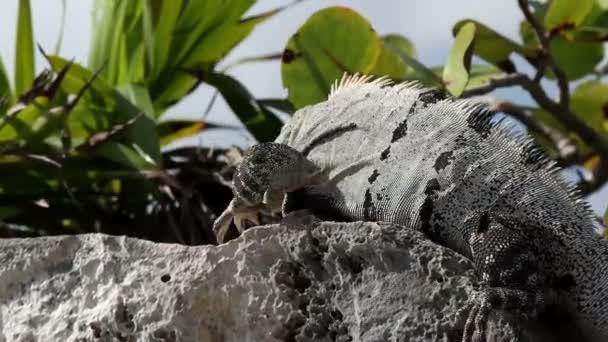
<point>294,282</point>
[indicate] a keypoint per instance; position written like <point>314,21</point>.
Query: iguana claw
<point>524,302</point>
<point>240,216</point>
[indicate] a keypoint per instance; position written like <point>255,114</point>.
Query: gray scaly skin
<point>408,155</point>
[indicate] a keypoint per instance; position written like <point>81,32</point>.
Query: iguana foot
<point>240,216</point>
<point>526,303</point>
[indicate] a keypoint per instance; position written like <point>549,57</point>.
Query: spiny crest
<point>350,81</point>
<point>544,164</point>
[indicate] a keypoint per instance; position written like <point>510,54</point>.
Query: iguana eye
<point>484,223</point>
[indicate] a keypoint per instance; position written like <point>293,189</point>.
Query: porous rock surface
<point>314,281</point>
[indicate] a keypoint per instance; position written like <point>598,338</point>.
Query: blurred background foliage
<point>83,147</point>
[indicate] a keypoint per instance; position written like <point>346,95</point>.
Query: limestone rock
<point>291,282</point>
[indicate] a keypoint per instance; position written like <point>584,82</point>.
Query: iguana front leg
<point>524,302</point>
<point>512,276</point>
<point>267,172</point>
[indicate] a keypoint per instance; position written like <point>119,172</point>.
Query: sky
<point>427,23</point>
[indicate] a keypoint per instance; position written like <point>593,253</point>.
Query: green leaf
<point>456,71</point>
<point>576,58</point>
<point>331,42</point>
<point>141,133</point>
<point>590,102</point>
<point>405,50</point>
<point>139,96</point>
<point>18,125</point>
<point>61,28</point>
<point>549,120</point>
<point>399,44</point>
<point>389,64</point>
<point>177,86</point>
<point>264,125</point>
<point>193,28</point>
<point>199,42</point>
<point>130,157</point>
<point>282,105</point>
<point>117,55</point>
<point>6,95</point>
<point>25,67</point>
<point>100,91</point>
<point>481,74</point>
<point>113,106</point>
<point>172,130</point>
<point>216,43</point>
<point>491,46</point>
<point>102,28</point>
<point>567,12</point>
<point>163,34</point>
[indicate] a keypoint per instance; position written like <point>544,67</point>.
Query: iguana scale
<point>409,155</point>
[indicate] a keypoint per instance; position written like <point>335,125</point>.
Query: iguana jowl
<point>408,155</point>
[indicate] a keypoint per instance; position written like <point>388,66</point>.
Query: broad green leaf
<point>331,42</point>
<point>264,125</point>
<point>399,44</point>
<point>598,16</point>
<point>566,12</point>
<point>491,46</point>
<point>590,102</point>
<point>389,64</point>
<point>591,34</point>
<point>25,67</point>
<point>456,71</point>
<point>576,58</point>
<point>528,37</point>
<point>6,95</point>
<point>481,74</point>
<point>405,50</point>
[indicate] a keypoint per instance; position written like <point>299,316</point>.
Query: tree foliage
<point>82,146</point>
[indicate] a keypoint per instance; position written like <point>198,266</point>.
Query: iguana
<point>413,156</point>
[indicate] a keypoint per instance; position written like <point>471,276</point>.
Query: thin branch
<point>544,39</point>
